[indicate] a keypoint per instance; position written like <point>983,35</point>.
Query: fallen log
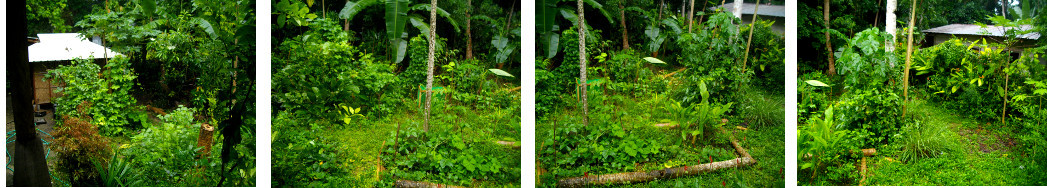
<point>418,184</point>
<point>508,144</point>
<point>635,177</point>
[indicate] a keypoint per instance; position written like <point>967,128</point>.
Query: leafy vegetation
<point>349,93</point>
<point>962,114</point>
<point>671,99</point>
<point>198,56</point>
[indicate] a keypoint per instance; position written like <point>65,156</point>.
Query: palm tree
<point>581,57</point>
<point>429,76</point>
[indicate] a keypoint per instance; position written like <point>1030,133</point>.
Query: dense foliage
<point>349,87</point>
<point>195,53</point>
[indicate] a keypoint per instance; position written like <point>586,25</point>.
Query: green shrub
<point>302,157</point>
<point>107,90</point>
<point>76,144</point>
<point>347,75</point>
<point>872,112</point>
<point>451,157</point>
<point>168,155</point>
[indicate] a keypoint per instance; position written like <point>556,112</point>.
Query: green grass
<point>968,165</point>
<point>764,141</point>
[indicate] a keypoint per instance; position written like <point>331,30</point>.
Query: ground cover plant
<point>688,94</point>
<point>352,103</point>
<point>175,109</point>
<point>892,112</point>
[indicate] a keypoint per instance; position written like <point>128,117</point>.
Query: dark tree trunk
<point>30,166</point>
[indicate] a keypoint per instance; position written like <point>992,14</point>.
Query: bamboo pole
<point>752,27</point>
<point>908,55</point>
<point>634,177</point>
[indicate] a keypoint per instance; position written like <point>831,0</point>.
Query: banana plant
<point>397,16</point>
<point>545,21</point>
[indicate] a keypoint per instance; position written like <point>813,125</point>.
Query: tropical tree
<point>581,63</point>
<point>429,76</point>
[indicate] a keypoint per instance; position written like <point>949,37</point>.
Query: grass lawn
<point>987,156</point>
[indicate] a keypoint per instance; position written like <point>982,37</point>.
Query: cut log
<point>418,184</point>
<point>862,172</point>
<point>635,177</point>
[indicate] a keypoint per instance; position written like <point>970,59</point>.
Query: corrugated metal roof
<point>749,8</point>
<point>66,46</point>
<point>971,29</point>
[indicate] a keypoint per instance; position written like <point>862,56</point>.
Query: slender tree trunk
<point>468,30</point>
<point>690,18</point>
<point>702,18</point>
<point>752,27</point>
<point>908,55</point>
<point>1006,82</point>
<point>1003,8</point>
<point>828,41</point>
<point>581,64</point>
<point>892,21</point>
<point>625,30</point>
<point>432,59</point>
<point>30,165</point>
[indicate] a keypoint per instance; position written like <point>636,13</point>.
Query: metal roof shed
<point>66,46</point>
<point>774,13</point>
<point>56,49</point>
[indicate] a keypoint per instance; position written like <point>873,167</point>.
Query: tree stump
<point>205,140</point>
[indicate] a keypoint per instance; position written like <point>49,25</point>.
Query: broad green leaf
<point>439,11</point>
<point>654,60</point>
<point>816,83</point>
<point>500,72</point>
<point>352,8</point>
<point>395,21</point>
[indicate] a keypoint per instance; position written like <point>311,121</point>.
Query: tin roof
<point>66,46</point>
<point>971,29</point>
<point>749,8</point>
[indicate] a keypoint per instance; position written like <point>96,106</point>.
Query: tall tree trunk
<point>581,63</point>
<point>908,55</point>
<point>752,27</point>
<point>828,40</point>
<point>891,21</point>
<point>30,165</point>
<point>625,30</point>
<point>468,30</point>
<point>690,18</point>
<point>738,8</point>
<point>432,59</point>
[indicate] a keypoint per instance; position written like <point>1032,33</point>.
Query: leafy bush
<point>167,153</point>
<point>106,89</point>
<point>864,62</point>
<point>346,77</point>
<point>76,144</point>
<point>824,148</point>
<point>767,57</point>
<point>873,113</point>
